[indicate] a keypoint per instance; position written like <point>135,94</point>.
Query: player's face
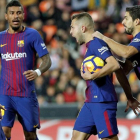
<point>15,17</point>
<point>75,31</point>
<point>128,23</point>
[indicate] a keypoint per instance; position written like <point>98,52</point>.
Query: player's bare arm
<point>45,65</point>
<point>132,102</point>
<point>111,66</point>
<point>127,66</point>
<point>119,49</point>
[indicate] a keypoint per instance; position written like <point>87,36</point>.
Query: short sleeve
<point>39,45</point>
<point>99,48</point>
<point>136,42</point>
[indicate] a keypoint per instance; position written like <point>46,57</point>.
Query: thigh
<point>105,118</point>
<point>10,113</point>
<point>85,122</point>
<point>77,135</point>
<point>28,113</point>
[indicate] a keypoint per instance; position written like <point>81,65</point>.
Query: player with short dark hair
<point>98,114</point>
<point>18,48</point>
<point>131,52</point>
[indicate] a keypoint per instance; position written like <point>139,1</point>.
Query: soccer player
<point>2,136</point>
<point>98,114</point>
<point>18,48</point>
<point>131,52</point>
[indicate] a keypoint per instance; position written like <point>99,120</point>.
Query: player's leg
<point>8,115</point>
<point>28,116</point>
<point>84,125</point>
<point>30,135</point>
<point>105,119</point>
<point>114,137</point>
<point>2,135</point>
<point>77,135</point>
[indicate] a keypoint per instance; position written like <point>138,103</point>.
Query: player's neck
<point>88,37</point>
<point>136,31</point>
<point>11,31</point>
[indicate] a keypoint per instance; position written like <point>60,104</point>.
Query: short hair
<point>14,3</point>
<point>84,16</point>
<point>134,11</point>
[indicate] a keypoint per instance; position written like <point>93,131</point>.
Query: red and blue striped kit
<point>18,52</point>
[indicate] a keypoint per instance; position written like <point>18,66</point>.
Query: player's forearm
<point>107,70</point>
<point>124,83</point>
<point>46,63</point>
<point>119,49</point>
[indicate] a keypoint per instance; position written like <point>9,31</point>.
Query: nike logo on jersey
<point>13,56</point>
<point>136,40</point>
<point>2,45</point>
<point>101,132</point>
<point>35,126</point>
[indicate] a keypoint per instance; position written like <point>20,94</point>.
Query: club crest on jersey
<point>20,43</point>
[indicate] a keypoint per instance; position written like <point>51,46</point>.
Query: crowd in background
<point>52,18</point>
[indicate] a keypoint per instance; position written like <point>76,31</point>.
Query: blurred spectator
<point>60,99</point>
<point>123,98</point>
<point>39,85</point>
<point>69,94</point>
<point>50,94</point>
<point>41,100</point>
<point>2,9</point>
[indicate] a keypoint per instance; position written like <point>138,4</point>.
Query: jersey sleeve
<point>100,49</point>
<point>136,42</point>
<point>38,44</point>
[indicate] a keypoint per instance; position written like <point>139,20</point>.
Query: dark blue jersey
<point>18,53</point>
<point>135,59</point>
<point>99,90</point>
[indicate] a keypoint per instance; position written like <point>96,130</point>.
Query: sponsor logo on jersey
<point>43,46</point>
<point>136,40</point>
<point>101,132</point>
<point>13,56</point>
<point>20,43</point>
<point>2,45</point>
<point>103,49</point>
<point>134,63</point>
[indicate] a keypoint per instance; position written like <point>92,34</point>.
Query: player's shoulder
<point>97,42</point>
<point>136,38</point>
<point>31,30</point>
<point>3,32</point>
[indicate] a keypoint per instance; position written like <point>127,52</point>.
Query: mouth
<point>15,22</point>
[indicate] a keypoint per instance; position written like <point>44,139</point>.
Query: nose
<point>15,15</point>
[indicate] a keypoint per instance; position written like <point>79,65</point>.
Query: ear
<point>83,29</point>
<point>137,21</point>
<point>6,16</point>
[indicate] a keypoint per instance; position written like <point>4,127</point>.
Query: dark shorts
<point>27,110</point>
<point>97,118</point>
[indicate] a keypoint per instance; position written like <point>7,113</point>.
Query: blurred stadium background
<point>60,90</point>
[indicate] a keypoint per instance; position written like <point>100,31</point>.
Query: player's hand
<point>134,105</point>
<point>30,75</point>
<point>87,75</point>
<point>98,35</point>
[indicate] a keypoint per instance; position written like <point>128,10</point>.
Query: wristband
<point>38,72</point>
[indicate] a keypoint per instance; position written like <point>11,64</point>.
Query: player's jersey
<point>18,52</point>
<point>99,90</point>
<point>136,58</point>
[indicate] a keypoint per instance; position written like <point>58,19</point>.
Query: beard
<point>129,31</point>
<point>15,28</point>
<point>81,40</point>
